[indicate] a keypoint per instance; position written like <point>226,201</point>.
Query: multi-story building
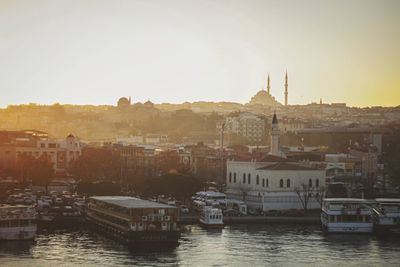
<point>15,144</point>
<point>244,124</point>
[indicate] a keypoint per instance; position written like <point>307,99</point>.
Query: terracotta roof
<point>281,166</point>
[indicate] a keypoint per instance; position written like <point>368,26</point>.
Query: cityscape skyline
<point>81,53</point>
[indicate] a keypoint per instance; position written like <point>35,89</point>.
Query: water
<point>238,245</point>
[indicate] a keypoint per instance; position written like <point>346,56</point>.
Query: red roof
<point>281,166</point>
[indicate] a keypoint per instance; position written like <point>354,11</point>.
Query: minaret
<point>268,86</point>
<point>275,136</point>
<point>286,89</point>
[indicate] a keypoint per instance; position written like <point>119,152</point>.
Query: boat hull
<point>349,227</point>
<point>137,238</point>
<point>18,233</point>
<point>212,225</point>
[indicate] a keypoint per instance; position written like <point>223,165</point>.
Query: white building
<point>274,183</point>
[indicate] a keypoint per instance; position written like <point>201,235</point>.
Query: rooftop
<point>131,202</point>
<point>282,166</point>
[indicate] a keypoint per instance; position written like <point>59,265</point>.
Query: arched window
<point>244,178</point>
<point>258,180</point>
<point>263,183</point>
<point>281,183</point>
<point>267,183</point>
<point>288,183</point>
<point>234,177</point>
<point>230,177</point>
<point>248,178</point>
<point>309,183</point>
<point>316,182</point>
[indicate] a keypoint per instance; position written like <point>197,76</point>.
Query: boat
<point>347,215</point>
<point>212,218</point>
<point>17,222</point>
<point>60,217</point>
<point>133,221</point>
<point>387,211</point>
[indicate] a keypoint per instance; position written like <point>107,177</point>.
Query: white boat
<point>388,214</point>
<point>17,222</point>
<point>211,218</point>
<point>347,215</point>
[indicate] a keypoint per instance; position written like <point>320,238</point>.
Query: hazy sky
<point>93,52</point>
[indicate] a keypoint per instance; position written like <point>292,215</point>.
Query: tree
<point>38,170</point>
<point>391,153</point>
<point>96,163</point>
<point>304,192</point>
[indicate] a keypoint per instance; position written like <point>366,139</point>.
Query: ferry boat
<point>134,221</point>
<point>211,218</point>
<point>387,211</point>
<point>347,215</point>
<point>17,222</point>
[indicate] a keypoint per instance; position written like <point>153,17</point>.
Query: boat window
<point>263,183</point>
<point>281,183</point>
<point>316,182</point>
<point>234,177</point>
<point>230,177</point>
<point>248,178</point>
<point>309,183</point>
<point>244,178</point>
<point>267,182</point>
<point>288,183</point>
<point>258,180</point>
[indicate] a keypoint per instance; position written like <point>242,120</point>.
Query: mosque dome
<point>124,102</point>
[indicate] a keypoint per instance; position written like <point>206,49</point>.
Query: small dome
<point>148,104</point>
<point>124,102</point>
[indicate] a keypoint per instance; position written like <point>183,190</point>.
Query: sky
<point>94,51</point>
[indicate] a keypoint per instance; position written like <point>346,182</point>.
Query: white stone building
<point>271,183</point>
<point>275,182</point>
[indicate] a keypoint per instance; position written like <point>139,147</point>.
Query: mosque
<point>264,97</point>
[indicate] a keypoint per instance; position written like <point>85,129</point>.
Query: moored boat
<point>347,215</point>
<point>211,217</point>
<point>387,211</point>
<point>17,222</point>
<point>134,221</point>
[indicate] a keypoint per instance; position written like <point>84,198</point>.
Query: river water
<point>237,245</point>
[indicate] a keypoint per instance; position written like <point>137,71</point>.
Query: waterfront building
<point>274,183</point>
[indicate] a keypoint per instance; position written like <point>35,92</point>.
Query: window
<point>244,178</point>
<point>267,183</point>
<point>281,183</point>
<point>248,178</point>
<point>316,182</point>
<point>230,177</point>
<point>288,183</point>
<point>258,180</point>
<point>234,177</point>
<point>309,183</point>
<point>263,183</point>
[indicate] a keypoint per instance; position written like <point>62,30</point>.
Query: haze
<point>93,52</point>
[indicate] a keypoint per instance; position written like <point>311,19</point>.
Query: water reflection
<point>237,245</point>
